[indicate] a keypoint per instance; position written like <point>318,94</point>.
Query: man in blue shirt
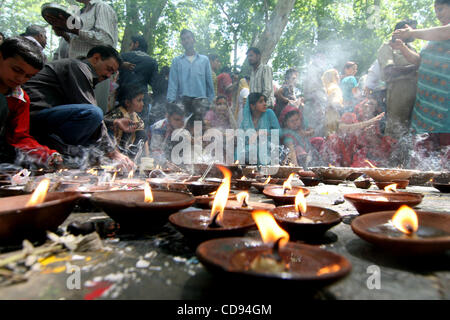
<point>190,80</point>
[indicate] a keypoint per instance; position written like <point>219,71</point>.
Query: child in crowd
<point>20,59</point>
<point>349,85</point>
<point>364,142</point>
<point>258,117</point>
<point>131,101</point>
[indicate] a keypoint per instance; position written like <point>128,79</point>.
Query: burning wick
<point>406,220</point>
<point>243,198</point>
<point>300,203</point>
<point>267,181</point>
<point>271,233</point>
<point>370,163</point>
<point>39,194</point>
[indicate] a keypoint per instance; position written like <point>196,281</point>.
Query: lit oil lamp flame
<point>213,193</point>
<point>370,163</point>
<point>391,188</point>
<point>267,181</point>
<point>405,220</point>
<point>287,184</point>
<point>39,194</point>
<point>221,198</point>
<point>300,202</point>
<point>331,166</point>
<point>148,193</point>
<point>244,178</point>
<point>131,175</point>
<point>270,231</point>
<point>114,177</point>
<point>236,162</point>
<point>242,198</point>
<point>328,269</point>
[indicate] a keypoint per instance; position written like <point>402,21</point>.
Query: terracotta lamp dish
<point>386,174</point>
<point>313,223</point>
<point>355,175</point>
<point>442,187</point>
<point>198,188</point>
<point>401,184</point>
<point>195,224</point>
<point>309,265</point>
<point>363,184</point>
<point>333,173</point>
<point>382,201</point>
<point>236,205</point>
<point>332,182</point>
<point>18,222</point>
<point>262,179</point>
<point>282,198</point>
<point>432,237</point>
<point>130,211</point>
<point>260,186</point>
<point>242,184</point>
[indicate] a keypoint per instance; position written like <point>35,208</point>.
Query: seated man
<point>20,59</point>
<point>64,112</point>
<point>161,144</point>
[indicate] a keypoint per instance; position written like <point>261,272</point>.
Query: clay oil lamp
<point>405,231</point>
<point>284,195</point>
<point>130,181</point>
<point>242,203</point>
<point>272,259</point>
<point>387,174</point>
<point>442,187</point>
<point>333,173</point>
<point>363,184</point>
<point>141,210</point>
<point>217,222</point>
<point>389,199</point>
<point>30,216</point>
<point>305,221</point>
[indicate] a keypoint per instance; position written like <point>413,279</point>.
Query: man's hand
<point>128,65</point>
<point>123,160</point>
<point>126,125</point>
<point>396,44</point>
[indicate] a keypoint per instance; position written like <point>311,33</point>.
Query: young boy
<point>20,59</point>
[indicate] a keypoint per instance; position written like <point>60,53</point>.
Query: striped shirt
<point>99,27</point>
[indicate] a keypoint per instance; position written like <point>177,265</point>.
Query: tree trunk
<point>151,22</point>
<point>274,28</point>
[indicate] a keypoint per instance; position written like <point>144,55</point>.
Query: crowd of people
<point>90,102</point>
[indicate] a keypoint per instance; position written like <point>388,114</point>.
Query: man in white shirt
<point>38,35</point>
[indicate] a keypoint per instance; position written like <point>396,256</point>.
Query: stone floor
<point>164,266</point>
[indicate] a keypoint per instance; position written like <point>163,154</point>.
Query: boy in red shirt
<point>20,59</point>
